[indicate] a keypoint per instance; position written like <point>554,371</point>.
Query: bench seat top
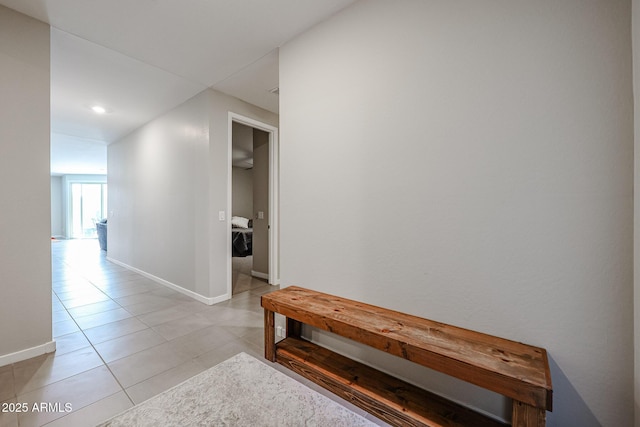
<point>513,369</point>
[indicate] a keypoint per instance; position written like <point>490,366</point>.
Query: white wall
<point>242,200</point>
<point>261,169</point>
<point>167,182</point>
<point>220,106</point>
<point>636,240</point>
<point>242,179</point>
<point>157,175</point>
<point>25,188</point>
<point>472,162</point>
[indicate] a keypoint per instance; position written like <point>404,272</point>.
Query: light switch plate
<point>221,216</point>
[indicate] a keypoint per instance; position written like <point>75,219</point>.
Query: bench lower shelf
<point>390,399</point>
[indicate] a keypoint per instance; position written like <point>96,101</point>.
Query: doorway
<point>260,158</point>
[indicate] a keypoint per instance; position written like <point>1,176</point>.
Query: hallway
<point>122,338</point>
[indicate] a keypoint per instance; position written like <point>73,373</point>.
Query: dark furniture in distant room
<point>101,227</point>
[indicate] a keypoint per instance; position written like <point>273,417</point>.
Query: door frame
<point>274,185</point>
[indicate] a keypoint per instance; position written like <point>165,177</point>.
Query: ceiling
<point>139,59</point>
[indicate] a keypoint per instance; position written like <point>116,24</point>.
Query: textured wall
<point>472,162</point>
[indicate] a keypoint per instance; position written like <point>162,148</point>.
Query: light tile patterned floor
<point>122,338</point>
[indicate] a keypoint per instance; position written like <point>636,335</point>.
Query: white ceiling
<point>142,58</point>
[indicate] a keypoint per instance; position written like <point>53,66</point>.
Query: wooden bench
<point>513,369</point>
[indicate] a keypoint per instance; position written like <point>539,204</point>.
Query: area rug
<point>241,391</point>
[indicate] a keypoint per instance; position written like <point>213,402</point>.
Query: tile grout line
<point>96,350</point>
<point>92,344</point>
<point>85,276</point>
<point>71,376</point>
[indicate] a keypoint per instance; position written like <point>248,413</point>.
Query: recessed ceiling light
<point>99,109</point>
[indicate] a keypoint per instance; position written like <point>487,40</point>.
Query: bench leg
<point>528,416</point>
<point>269,336</point>
<point>294,328</point>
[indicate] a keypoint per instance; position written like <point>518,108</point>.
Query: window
<point>88,206</point>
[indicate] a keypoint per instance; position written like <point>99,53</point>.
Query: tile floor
<point>122,338</point>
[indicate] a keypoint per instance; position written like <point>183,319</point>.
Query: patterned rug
<point>241,391</point>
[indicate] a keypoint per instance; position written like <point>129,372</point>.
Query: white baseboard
<point>264,276</point>
<point>28,353</point>
<point>196,296</point>
<point>259,275</point>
